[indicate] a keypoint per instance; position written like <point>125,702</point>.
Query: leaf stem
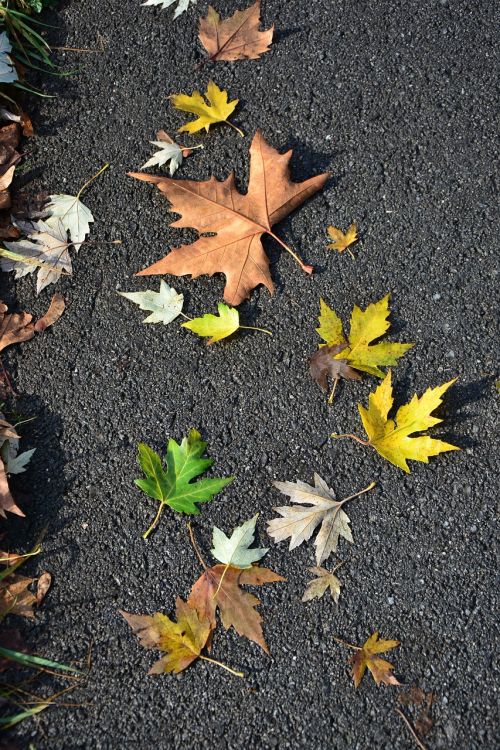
<point>157,518</point>
<point>332,394</point>
<point>240,132</point>
<point>304,266</point>
<point>254,328</point>
<point>350,253</point>
<point>195,546</point>
<point>345,643</point>
<point>413,733</point>
<point>350,435</point>
<point>357,494</point>
<point>224,666</point>
<point>221,579</point>
<point>185,316</point>
<point>85,186</point>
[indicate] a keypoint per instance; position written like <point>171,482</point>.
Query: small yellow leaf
<point>216,326</point>
<point>366,656</point>
<point>391,438</point>
<point>330,325</point>
<point>216,110</point>
<point>342,241</point>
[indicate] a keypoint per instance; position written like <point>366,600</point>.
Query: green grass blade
<point>29,660</point>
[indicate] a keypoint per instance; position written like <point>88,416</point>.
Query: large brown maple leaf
<point>235,221</point>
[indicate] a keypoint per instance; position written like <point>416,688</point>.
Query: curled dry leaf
<point>236,222</point>
<point>56,309</point>
<point>14,327</point>
<point>16,598</point>
<point>323,365</point>
<point>237,37</point>
<point>43,585</point>
<point>183,641</point>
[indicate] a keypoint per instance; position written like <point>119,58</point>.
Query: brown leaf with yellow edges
<point>367,657</point>
<point>183,641</point>
<point>237,37</point>
<point>235,221</point>
<point>237,607</point>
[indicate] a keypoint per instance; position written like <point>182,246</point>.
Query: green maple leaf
<point>172,486</point>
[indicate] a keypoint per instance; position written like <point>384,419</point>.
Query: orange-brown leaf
<point>183,641</point>
<point>16,598</point>
<point>236,221</point>
<point>15,327</point>
<point>237,37</point>
<point>237,607</point>
<point>366,657</point>
<point>56,309</point>
<point>43,585</point>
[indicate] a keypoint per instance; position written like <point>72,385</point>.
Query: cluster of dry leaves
<point>230,228</point>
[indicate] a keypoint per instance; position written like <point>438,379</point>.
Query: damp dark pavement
<point>398,101</point>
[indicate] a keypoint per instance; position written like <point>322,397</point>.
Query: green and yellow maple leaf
<point>216,109</point>
<point>366,326</point>
<point>219,326</point>
<point>172,486</point>
<point>391,438</point>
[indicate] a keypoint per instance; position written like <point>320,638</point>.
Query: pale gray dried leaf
<point>165,305</point>
<point>168,152</point>
<point>46,249</point>
<point>235,549</point>
<point>317,586</point>
<point>322,364</point>
<point>182,5</point>
<point>8,73</point>
<point>74,216</point>
<point>300,523</point>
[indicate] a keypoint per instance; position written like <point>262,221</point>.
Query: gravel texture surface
<point>398,101</point>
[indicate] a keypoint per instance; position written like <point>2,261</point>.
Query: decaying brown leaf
<point>15,327</point>
<point>418,698</point>
<point>220,587</point>
<point>322,365</point>
<point>56,309</point>
<point>235,221</point>
<point>7,503</point>
<point>183,641</point>
<point>235,38</point>
<point>16,598</point>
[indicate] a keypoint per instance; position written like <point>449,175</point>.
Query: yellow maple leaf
<point>342,241</point>
<point>366,656</point>
<point>219,326</point>
<point>391,438</point>
<point>216,110</point>
<point>366,326</point>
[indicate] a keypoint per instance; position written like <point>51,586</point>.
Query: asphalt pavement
<point>398,101</point>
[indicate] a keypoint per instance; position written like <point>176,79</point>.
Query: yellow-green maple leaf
<point>391,438</point>
<point>216,110</point>
<point>366,326</point>
<point>216,326</point>
<point>219,326</point>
